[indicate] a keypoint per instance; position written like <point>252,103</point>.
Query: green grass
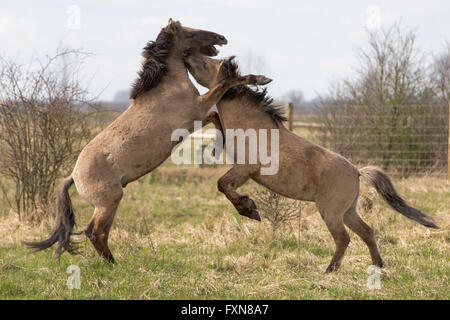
<point>176,237</point>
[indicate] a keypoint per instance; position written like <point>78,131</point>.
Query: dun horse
<point>164,99</point>
<point>306,171</point>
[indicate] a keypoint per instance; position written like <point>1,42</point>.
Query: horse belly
<point>294,184</point>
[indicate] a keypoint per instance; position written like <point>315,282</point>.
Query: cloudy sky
<point>300,44</point>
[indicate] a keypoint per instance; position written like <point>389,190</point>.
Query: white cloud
<point>336,65</point>
<point>242,5</point>
<point>304,44</point>
<point>161,21</point>
<point>9,24</point>
<point>151,21</point>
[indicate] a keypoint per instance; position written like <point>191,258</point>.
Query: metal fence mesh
<point>403,140</point>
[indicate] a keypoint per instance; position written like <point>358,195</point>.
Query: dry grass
<point>176,236</point>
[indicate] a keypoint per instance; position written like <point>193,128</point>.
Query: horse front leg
<point>208,100</point>
<point>213,117</point>
<point>233,179</point>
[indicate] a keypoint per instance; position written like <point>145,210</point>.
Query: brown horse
<point>306,171</point>
<point>164,99</point>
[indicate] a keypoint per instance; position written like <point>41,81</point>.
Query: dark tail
<point>385,188</point>
<point>64,223</point>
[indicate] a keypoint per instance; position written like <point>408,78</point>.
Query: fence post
<point>290,115</point>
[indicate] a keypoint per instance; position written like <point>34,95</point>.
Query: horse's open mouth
<point>211,50</point>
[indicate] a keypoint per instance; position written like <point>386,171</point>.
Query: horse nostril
<point>221,39</point>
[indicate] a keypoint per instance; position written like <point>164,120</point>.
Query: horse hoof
<point>379,264</point>
<point>332,268</point>
<point>255,215</point>
<point>109,260</point>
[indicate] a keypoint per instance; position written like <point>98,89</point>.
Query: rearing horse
<point>164,99</point>
<point>306,171</point>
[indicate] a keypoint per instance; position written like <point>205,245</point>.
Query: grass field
<point>175,236</point>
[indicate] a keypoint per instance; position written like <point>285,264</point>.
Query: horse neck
<point>244,112</point>
<point>175,79</point>
<point>176,65</point>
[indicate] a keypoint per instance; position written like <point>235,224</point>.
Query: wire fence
<point>403,140</point>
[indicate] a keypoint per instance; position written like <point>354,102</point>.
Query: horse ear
<point>225,64</point>
<point>173,26</point>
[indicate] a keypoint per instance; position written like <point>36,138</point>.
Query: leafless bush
<point>42,127</point>
<point>441,75</point>
<point>389,114</point>
<point>276,209</point>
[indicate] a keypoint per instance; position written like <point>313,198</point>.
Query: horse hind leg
<point>358,226</point>
<point>334,221</point>
<point>341,239</point>
<point>232,180</point>
<point>100,224</point>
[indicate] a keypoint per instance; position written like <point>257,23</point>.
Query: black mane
<point>154,66</point>
<point>258,97</point>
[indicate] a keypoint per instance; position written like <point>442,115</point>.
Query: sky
<point>303,45</point>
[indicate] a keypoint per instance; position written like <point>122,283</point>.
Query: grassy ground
<point>175,236</point>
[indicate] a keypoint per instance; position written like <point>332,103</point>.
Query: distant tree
<point>441,75</point>
<point>121,100</point>
<point>295,97</point>
<point>391,70</point>
<point>252,63</point>
<point>387,113</point>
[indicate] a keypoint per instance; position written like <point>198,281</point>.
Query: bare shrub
<point>441,74</point>
<point>388,114</point>
<point>276,209</point>
<point>42,127</point>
